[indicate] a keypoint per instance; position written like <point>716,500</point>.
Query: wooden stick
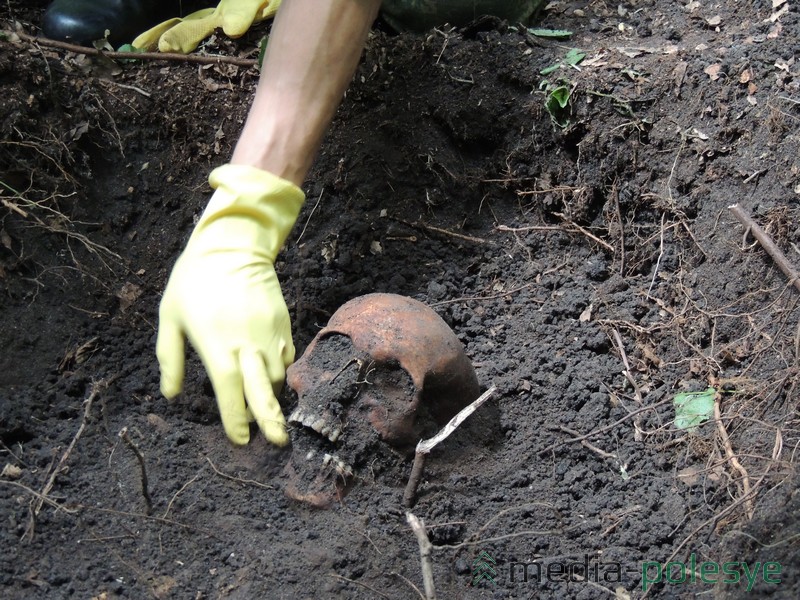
<point>425,547</point>
<point>425,446</point>
<point>168,56</point>
<point>768,245</point>
<point>410,493</point>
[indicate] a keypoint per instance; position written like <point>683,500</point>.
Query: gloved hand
<point>183,35</point>
<point>224,296</point>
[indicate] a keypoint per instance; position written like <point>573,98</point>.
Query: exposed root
<point>97,388</point>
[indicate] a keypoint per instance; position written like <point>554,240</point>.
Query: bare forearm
<point>312,54</point>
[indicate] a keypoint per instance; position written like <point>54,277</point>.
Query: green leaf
<point>262,50</point>
<point>551,33</point>
<point>693,408</point>
<point>574,56</point>
<point>556,104</point>
<point>560,95</point>
<point>129,48</point>
<point>550,69</point>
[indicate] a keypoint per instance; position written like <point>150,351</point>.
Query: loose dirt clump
<point>562,203</point>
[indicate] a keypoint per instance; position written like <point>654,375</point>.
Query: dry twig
<point>431,228</point>
<point>123,434</point>
<point>637,427</point>
<point>766,242</point>
<point>726,443</point>
<point>364,585</point>
<point>239,479</point>
<point>167,56</point>
<point>97,387</point>
<point>425,547</point>
<point>490,297</point>
<point>587,444</point>
<point>631,414</point>
<point>425,446</point>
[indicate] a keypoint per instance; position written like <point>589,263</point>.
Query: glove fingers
<point>237,17</point>
<point>261,399</point>
<point>170,354</point>
<point>149,39</point>
<point>227,382</point>
<point>269,9</point>
<point>189,32</point>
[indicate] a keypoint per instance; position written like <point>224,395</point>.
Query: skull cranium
<point>386,368</point>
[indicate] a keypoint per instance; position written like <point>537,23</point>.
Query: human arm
<point>223,293</point>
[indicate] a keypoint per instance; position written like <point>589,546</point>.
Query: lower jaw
<point>320,486</point>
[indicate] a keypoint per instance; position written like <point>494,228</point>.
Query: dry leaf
<point>11,471</point>
<point>774,31</point>
<point>713,71</point>
<point>688,475</point>
<point>746,76</point>
<point>129,293</point>
<point>586,315</point>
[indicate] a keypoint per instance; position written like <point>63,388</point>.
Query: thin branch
<point>95,391</point>
<point>425,547</point>
<point>364,585</point>
<point>766,242</point>
<point>631,414</point>
<point>425,446</point>
<point>426,227</point>
<point>240,480</point>
<point>123,434</point>
<point>166,56</point>
<point>586,444</point>
<point>726,443</point>
<point>490,297</point>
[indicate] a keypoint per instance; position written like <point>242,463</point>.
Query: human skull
<point>386,369</point>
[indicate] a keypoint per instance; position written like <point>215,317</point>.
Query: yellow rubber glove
<point>224,296</point>
<point>183,35</point>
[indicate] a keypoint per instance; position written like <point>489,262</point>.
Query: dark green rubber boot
<point>85,21</point>
<point>422,15</point>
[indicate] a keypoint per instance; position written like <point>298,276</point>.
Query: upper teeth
<point>316,423</point>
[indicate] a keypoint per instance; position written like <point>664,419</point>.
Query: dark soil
<point>563,249</point>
